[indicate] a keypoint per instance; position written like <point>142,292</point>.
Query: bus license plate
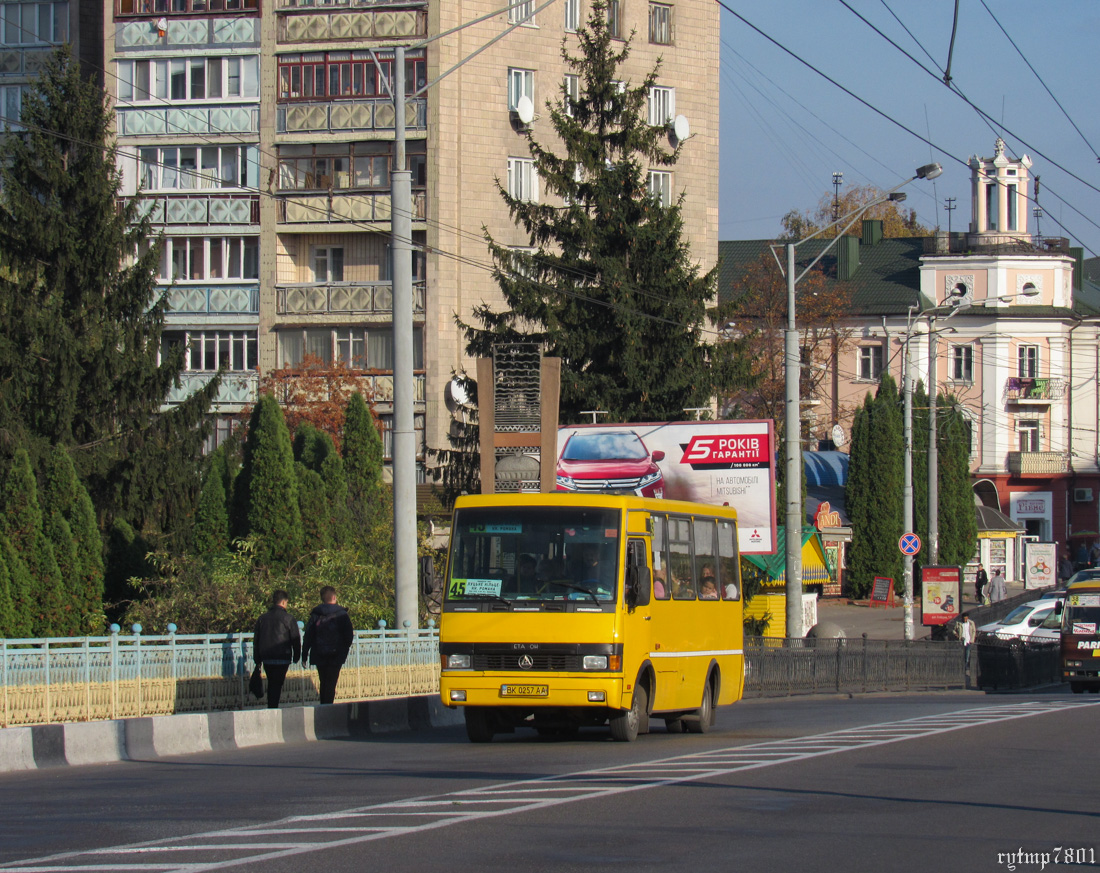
<point>524,690</point>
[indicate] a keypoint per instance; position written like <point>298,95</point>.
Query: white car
<point>1034,620</point>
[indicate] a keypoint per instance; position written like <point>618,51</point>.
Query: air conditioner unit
<point>1082,495</point>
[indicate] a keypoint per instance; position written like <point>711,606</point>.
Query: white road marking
<point>521,796</point>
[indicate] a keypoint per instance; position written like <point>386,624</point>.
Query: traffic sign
<point>909,544</point>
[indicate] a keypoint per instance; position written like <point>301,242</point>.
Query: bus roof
<point>1089,585</point>
<point>595,499</point>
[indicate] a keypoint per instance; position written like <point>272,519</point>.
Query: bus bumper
<point>532,691</point>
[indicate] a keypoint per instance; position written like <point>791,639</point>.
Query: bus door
<point>637,616</point>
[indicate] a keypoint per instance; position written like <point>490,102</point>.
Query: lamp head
<point>929,171</point>
<point>897,196</point>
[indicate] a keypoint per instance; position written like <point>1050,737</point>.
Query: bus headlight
<point>458,662</point>
<point>594,662</point>
<point>458,696</point>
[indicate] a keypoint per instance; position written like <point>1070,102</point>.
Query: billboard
<point>718,462</point>
<point>941,596</point>
<point>1040,565</point>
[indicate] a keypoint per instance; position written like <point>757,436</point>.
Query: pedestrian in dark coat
<point>981,579</point>
<point>276,644</point>
<point>328,640</point>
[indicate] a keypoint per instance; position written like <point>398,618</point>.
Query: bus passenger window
<point>680,565</point>
<point>729,568</point>
<point>704,559</point>
<point>661,589</point>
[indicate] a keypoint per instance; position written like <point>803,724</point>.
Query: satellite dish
<point>525,109</point>
<point>681,128</point>
<point>456,396</point>
<point>838,435</point>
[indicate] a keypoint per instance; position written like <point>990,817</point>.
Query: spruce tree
<point>80,360</point>
<point>212,515</point>
<point>610,287</point>
<point>266,491</point>
<point>362,447</point>
<point>22,518</point>
<point>7,609</point>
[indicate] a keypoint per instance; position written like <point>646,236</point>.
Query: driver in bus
<point>589,571</point>
<point>527,581</point>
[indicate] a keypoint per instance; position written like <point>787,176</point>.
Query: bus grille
<point>541,662</point>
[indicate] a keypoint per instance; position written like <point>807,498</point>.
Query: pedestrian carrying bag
<point>256,683</point>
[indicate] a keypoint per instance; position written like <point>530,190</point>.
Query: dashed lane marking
<point>291,836</point>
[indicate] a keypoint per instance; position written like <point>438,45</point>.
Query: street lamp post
<point>793,401</point>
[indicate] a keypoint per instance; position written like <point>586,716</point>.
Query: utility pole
<point>838,177</point>
<point>949,205</point>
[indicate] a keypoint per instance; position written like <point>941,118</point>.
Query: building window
<point>11,103</point>
<point>523,180</point>
<point>572,15</point>
<point>210,350</point>
<point>167,168</point>
<point>385,422</point>
<point>35,23</point>
<point>572,87</point>
<point>662,105</point>
<point>341,166</point>
<point>521,12</point>
<point>206,258</point>
<point>521,83</point>
<point>188,79</point>
<point>177,7</point>
<point>660,186</point>
<point>328,264</point>
<point>615,18</point>
<point>660,24</point>
<point>1027,358</point>
<point>344,75</point>
<point>870,363</point>
<point>1028,432</point>
<point>356,347</point>
<point>962,363</point>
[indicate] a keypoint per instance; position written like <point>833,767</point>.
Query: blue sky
<point>785,129</point>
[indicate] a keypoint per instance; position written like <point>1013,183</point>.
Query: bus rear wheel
<point>701,723</point>
<point>626,723</point>
<point>479,727</point>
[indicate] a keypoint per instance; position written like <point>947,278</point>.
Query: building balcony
<point>283,5</point>
<point>1037,463</point>
<point>344,208</point>
<point>365,113</point>
<point>212,300</point>
<point>231,29</point>
<point>362,24</point>
<point>196,119</point>
<point>1039,392</point>
<point>237,389</point>
<point>341,298</point>
<point>128,8</point>
<point>203,209</point>
<point>377,387</point>
<point>27,61</point>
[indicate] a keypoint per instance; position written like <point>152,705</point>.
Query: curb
<point>39,747</point>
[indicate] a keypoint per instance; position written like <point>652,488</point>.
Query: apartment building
<point>999,317</point>
<point>262,133</point>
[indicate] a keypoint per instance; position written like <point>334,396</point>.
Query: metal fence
<point>127,675</point>
<point>775,667</point>
<point>1017,663</point>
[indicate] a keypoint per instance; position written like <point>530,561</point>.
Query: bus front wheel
<point>479,728</point>
<point>1077,687</point>
<point>625,723</point>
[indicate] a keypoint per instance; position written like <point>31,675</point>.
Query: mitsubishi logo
<point>526,662</point>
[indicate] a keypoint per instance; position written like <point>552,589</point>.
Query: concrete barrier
<point>143,739</point>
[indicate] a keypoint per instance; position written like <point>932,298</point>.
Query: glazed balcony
<point>204,209</point>
<point>365,113</point>
<point>213,300</point>
<point>314,23</point>
<point>341,298</point>
<point>237,389</point>
<point>1037,463</point>
<point>165,8</point>
<point>344,208</point>
<point>203,120</point>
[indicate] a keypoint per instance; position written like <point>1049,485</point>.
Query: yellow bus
<point>567,610</point>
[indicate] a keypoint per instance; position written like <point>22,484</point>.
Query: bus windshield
<point>1082,614</point>
<point>537,553</point>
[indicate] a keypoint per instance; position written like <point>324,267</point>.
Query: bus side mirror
<point>427,575</point>
<point>1058,608</point>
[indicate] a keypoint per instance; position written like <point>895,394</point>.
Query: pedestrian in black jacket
<point>329,636</point>
<point>276,644</point>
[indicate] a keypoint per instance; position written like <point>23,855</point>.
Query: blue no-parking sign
<point>909,544</point>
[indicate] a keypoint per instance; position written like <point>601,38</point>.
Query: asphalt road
<point>958,781</point>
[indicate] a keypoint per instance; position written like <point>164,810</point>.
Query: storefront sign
<point>825,517</point>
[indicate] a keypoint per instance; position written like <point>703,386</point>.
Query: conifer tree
<point>266,491</point>
<point>20,591</point>
<point>958,528</point>
<point>610,287</point>
<point>7,610</point>
<point>860,482</point>
<point>22,518</point>
<point>80,357</point>
<point>212,515</point>
<point>313,506</point>
<point>362,447</point>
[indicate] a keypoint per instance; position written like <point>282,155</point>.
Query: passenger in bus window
<point>526,576</point>
<point>660,589</point>
<point>708,585</point>
<point>588,568</point>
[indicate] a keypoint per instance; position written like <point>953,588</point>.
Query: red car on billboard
<point>610,461</point>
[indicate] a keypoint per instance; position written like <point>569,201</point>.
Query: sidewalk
<point>857,617</point>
